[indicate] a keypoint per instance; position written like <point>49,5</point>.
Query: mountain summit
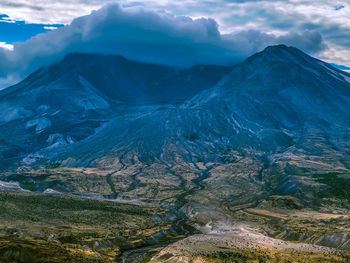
<point>285,87</point>
<point>93,80</point>
<point>110,113</point>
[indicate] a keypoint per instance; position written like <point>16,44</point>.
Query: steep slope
<point>281,116</point>
<point>115,78</point>
<point>268,103</point>
<point>66,102</point>
<point>284,83</point>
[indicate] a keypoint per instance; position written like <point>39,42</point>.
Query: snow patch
<point>347,78</point>
<point>59,139</point>
<point>89,98</point>
<point>32,158</point>
<point>336,74</point>
<point>55,113</point>
<point>40,124</point>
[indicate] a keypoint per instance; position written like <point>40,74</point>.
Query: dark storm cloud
<point>147,36</point>
<point>308,41</point>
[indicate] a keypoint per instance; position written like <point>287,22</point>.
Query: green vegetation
<point>339,186</point>
<point>53,228</point>
<point>226,256</point>
<point>270,256</point>
<point>30,250</point>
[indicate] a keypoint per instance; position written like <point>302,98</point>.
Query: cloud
<point>49,11</point>
<point>144,35</point>
<point>4,45</point>
<point>20,5</point>
<point>276,17</point>
<point>308,41</point>
<point>50,27</point>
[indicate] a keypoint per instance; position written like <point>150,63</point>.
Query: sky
<point>36,33</point>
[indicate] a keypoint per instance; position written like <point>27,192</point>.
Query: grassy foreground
<point>53,228</point>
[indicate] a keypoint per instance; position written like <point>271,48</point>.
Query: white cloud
<point>49,11</point>
<point>144,35</point>
<point>4,45</point>
<point>50,27</point>
<point>243,27</point>
<point>277,17</point>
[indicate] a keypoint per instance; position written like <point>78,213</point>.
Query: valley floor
<point>60,228</point>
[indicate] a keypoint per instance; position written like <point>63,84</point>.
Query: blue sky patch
<point>19,31</point>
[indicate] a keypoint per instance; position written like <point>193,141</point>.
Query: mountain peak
<point>285,56</point>
<point>274,48</point>
<point>283,50</point>
<point>277,49</point>
<point>282,54</point>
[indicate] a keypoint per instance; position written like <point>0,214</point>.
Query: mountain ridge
<point>118,78</point>
<point>260,153</point>
<point>245,102</point>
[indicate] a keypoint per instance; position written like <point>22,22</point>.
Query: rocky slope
<point>264,143</point>
<point>67,102</point>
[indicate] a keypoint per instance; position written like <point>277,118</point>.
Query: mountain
<point>114,78</point>
<point>66,102</point>
<point>270,134</point>
<point>88,110</point>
